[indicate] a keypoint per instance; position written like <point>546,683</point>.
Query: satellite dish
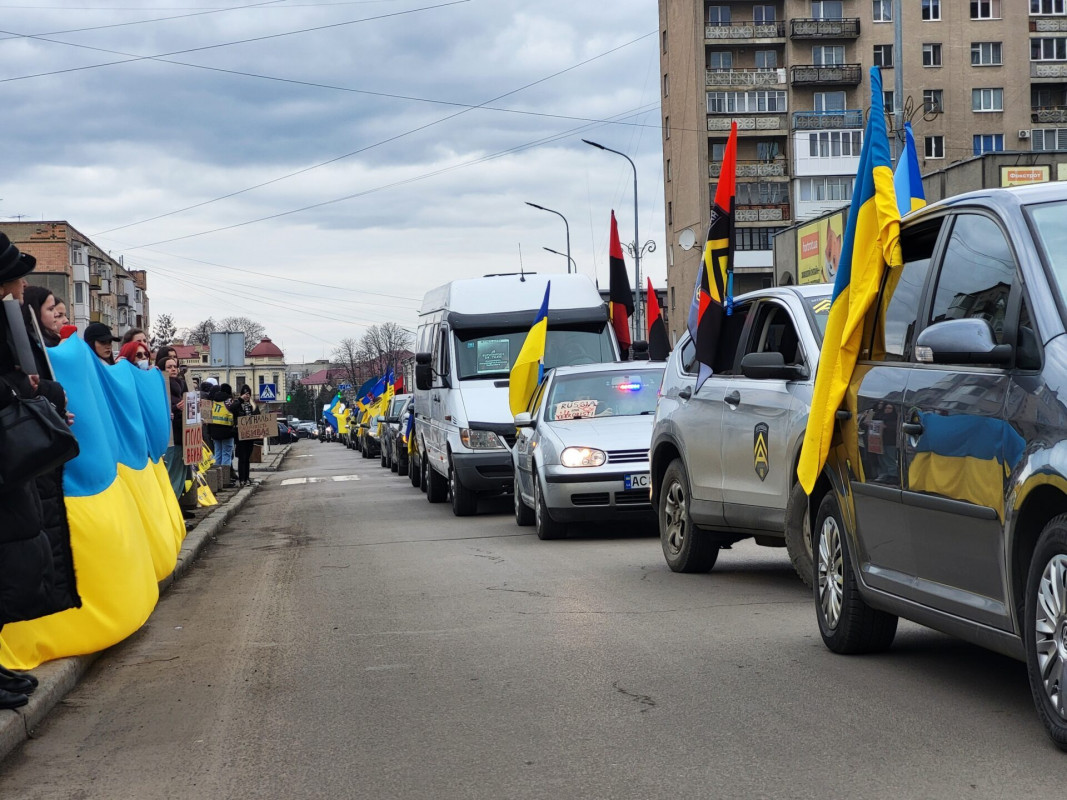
<point>686,239</point>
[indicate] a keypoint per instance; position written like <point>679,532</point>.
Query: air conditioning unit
<point>1024,134</point>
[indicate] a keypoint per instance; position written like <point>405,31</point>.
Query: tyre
<point>547,528</point>
<point>363,448</point>
<point>422,474</point>
<point>415,472</point>
<point>524,515</point>
<point>1045,633</point>
<point>436,485</point>
<point>685,547</point>
<point>798,534</point>
<point>464,500</point>
<point>847,624</point>
<point>382,457</point>
<point>401,461</point>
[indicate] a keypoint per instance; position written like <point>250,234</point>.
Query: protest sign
<point>575,409</point>
<point>257,426</point>
<point>192,432</point>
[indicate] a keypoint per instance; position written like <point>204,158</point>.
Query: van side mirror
<point>423,372</point>
<point>961,341</point>
<point>771,366</point>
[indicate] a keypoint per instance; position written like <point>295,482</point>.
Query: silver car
<point>582,447</point>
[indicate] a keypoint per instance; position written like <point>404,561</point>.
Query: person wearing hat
<point>36,561</point>
<point>98,336</point>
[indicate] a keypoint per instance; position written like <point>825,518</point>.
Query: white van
<point>470,332</point>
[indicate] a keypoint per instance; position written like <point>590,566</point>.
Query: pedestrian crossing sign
<point>268,392</point>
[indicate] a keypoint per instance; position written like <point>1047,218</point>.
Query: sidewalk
<point>60,676</point>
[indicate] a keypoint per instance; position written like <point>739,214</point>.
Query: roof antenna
<point>522,277</point>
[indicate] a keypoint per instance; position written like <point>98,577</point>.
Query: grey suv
<point>723,460</point>
<point>944,497</point>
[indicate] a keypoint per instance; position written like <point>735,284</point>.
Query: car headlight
<point>582,457</point>
<point>480,440</point>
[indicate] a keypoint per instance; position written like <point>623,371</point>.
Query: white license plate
<point>637,481</point>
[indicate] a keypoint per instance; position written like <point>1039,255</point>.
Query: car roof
<point>1003,199</point>
<point>610,366</point>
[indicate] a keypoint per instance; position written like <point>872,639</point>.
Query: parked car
<point>391,430</point>
<point>944,496</point>
<point>723,458</point>
<point>582,448</point>
<point>285,435</point>
<point>306,430</point>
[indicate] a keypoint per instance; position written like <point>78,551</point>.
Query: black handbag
<point>34,439</point>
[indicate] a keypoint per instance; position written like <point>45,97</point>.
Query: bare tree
<point>383,346</point>
<point>253,331</point>
<point>201,332</point>
<point>348,356</point>
<point>163,332</point>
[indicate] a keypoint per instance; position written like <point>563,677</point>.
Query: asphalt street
<point>346,639</point>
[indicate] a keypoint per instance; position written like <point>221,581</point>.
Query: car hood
<point>605,433</point>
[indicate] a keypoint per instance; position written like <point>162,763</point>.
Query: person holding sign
<point>223,429</point>
<point>246,407</point>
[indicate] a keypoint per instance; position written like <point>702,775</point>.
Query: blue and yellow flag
<point>908,178</point>
<point>125,524</point>
<point>871,242</point>
<point>530,363</point>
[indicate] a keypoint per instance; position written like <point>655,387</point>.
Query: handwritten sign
<point>192,432</point>
<point>575,409</point>
<point>257,426</point>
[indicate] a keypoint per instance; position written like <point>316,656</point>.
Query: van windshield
<point>491,354</point>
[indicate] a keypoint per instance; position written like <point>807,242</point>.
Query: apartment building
<point>977,76</point>
<point>95,286</point>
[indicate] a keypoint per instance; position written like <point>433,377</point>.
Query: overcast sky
<point>381,180</point>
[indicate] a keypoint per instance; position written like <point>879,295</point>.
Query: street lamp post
<point>566,224</point>
<point>570,261</point>
<point>636,250</point>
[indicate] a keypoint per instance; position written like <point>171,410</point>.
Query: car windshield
<point>485,354</point>
<point>622,393</point>
<point>1048,221</point>
<point>819,308</point>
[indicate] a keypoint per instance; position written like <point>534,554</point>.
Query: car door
<point>526,441</point>
<point>758,421</point>
<point>959,448</point>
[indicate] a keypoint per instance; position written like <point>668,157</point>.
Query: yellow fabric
<point>220,415</point>
<point>526,373</point>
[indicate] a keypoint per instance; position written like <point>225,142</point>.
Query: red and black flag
<point>659,346</point>
<point>620,298</point>
<point>713,298</point>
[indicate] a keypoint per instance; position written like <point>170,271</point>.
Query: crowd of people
<point>37,575</point>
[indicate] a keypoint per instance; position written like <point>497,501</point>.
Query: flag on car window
<point>659,346</point>
<point>529,364</point>
<point>871,242</point>
<point>621,299</point>
<point>908,178</point>
<point>713,298</point>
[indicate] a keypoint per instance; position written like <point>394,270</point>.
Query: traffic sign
<point>268,392</point>
<point>344,387</point>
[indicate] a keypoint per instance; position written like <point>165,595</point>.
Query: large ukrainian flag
<point>125,524</point>
<point>871,242</point>
<point>529,365</point>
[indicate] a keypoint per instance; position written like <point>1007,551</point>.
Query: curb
<point>58,677</point>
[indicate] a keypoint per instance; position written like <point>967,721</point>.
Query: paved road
<point>346,639</point>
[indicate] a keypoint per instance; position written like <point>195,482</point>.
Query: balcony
<point>94,283</point>
<point>824,28</point>
<point>822,75</point>
<point>762,213</point>
<point>1048,25</point>
<point>94,316</point>
<point>744,77</point>
<point>1052,70</point>
<point>123,300</point>
<point>745,31</point>
<point>759,123</point>
<point>752,169</point>
<point>827,120</point>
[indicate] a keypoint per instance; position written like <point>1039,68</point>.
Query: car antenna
<point>522,277</point>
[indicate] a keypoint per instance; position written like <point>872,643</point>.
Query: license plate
<point>637,481</point>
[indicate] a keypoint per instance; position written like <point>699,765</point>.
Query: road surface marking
<point>301,481</point>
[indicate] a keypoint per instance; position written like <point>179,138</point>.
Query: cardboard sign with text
<point>257,426</point>
<point>192,432</point>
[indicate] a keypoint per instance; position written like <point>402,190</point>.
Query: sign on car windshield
<point>493,355</point>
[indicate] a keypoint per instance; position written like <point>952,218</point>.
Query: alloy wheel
<point>674,513</point>
<point>830,572</point>
<point>1050,625</point>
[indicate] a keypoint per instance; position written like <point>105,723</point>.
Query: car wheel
<point>394,463</point>
<point>464,500</point>
<point>524,515</point>
<point>423,466</point>
<point>547,528</point>
<point>685,547</point>
<point>382,457</point>
<point>363,449</point>
<point>1046,629</point>
<point>436,485</point>
<point>402,464</point>
<point>798,534</point>
<point>847,624</point>
<point>415,472</point>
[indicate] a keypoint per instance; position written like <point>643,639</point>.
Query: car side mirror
<point>423,372</point>
<point>771,366</point>
<point>961,341</point>
<point>523,420</point>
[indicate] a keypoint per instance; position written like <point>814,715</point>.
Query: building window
<point>203,358</point>
<point>766,59</point>
<point>666,127</point>
<point>834,144</point>
<point>666,85</point>
<point>79,292</point>
<point>883,55</point>
<point>827,9</point>
<point>986,54</point>
<point>763,14</point>
<point>1045,97</point>
<point>934,147</point>
<point>829,101</point>
<point>988,143</point>
<point>933,101</point>
<point>763,102</point>
<point>932,54</point>
<point>720,59</point>
<point>762,194</point>
<point>755,238</point>
<point>668,169</point>
<point>664,38</point>
<point>985,9</point>
<point>238,384</point>
<point>672,298</point>
<point>931,10</point>
<point>828,55</point>
<point>718,151</point>
<point>834,189</point>
<point>718,15</point>
<point>1053,48</point>
<point>987,99</point>
<point>883,10</point>
<point>887,102</point>
<point>1047,8</point>
<point>670,213</point>
<point>1048,139</point>
<point>767,151</point>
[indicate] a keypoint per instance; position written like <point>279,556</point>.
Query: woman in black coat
<point>36,570</point>
<point>246,407</point>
